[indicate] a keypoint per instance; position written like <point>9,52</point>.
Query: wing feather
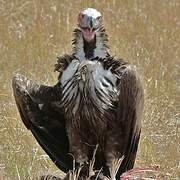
<point>46,124</point>
<point>129,113</point>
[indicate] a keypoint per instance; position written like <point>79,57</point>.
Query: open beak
<point>88,34</point>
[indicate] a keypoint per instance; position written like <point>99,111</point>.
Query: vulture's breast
<point>89,90</point>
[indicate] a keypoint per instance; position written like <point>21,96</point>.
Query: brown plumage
<point>98,99</point>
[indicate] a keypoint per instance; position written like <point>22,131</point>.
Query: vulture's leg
<point>113,152</point>
<point>124,141</point>
<point>46,124</point>
<point>78,148</point>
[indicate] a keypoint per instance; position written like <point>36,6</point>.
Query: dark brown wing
<point>46,122</point>
<point>129,114</point>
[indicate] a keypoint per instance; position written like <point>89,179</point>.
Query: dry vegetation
<point>146,33</point>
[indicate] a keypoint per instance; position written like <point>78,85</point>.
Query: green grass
<point>145,33</point>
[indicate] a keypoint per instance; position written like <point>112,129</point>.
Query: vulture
<point>97,103</point>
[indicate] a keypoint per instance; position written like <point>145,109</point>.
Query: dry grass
<point>146,33</point>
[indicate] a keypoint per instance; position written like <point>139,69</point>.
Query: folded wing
<point>129,114</point>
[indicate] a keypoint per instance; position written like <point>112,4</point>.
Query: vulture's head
<point>89,22</point>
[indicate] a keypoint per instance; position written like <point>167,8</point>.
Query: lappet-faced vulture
<point>98,100</point>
